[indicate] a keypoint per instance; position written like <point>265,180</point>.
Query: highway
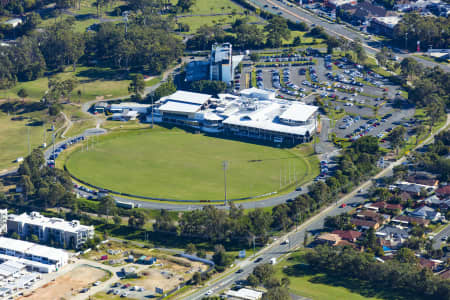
<point>297,13</point>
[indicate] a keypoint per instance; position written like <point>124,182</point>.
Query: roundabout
<point>172,164</point>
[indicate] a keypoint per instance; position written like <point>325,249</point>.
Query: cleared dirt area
<point>167,276</point>
<point>67,285</point>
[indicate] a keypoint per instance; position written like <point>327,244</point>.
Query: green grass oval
<point>174,164</point>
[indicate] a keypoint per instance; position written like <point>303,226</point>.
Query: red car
<point>343,205</point>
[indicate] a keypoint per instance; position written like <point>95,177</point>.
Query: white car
<point>209,292</point>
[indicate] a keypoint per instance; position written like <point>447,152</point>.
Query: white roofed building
<point>260,116</point>
<point>17,253</point>
<point>3,220</point>
<point>65,233</point>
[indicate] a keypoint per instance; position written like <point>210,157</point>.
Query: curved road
<point>297,13</point>
<point>278,249</point>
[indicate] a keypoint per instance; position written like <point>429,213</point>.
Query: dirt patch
<point>67,285</point>
<point>167,275</point>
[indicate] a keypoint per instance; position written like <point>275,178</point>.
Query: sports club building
<point>255,114</point>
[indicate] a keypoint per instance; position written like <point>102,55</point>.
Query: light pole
<point>406,40</point>
<point>225,167</point>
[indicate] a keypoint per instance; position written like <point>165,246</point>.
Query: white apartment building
<point>64,233</point>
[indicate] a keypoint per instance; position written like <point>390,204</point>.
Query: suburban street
<point>296,13</point>
<point>296,237</point>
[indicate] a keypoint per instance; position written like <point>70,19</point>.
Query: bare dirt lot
<point>68,284</point>
<point>167,276</point>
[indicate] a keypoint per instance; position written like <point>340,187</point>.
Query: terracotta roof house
<point>405,196</point>
<point>329,238</point>
<point>423,181</point>
<point>348,235</point>
<point>445,274</point>
<point>443,192</point>
<point>381,204</point>
<point>365,224</point>
<point>429,263</point>
<point>407,220</point>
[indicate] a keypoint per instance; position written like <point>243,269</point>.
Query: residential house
<point>386,206</point>
<point>329,238</point>
<point>445,274</point>
<point>409,220</point>
<point>365,224</point>
<point>348,235</point>
<point>423,180</point>
<point>443,192</point>
<point>373,216</point>
<point>433,201</point>
<point>426,212</point>
<point>395,236</point>
<point>431,264</point>
<point>405,196</point>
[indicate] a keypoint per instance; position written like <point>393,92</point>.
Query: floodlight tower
<point>225,167</point>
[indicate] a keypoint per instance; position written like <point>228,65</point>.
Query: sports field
<point>173,164</point>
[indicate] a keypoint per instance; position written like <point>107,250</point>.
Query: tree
<point>297,41</point>
<point>435,110</point>
<point>264,272</point>
<point>409,67</point>
<point>107,206</point>
<point>117,220</point>
<point>277,293</point>
<point>22,93</point>
<point>137,86</point>
<point>221,258</point>
<point>185,5</point>
<point>254,56</point>
<point>420,130</point>
<point>164,89</point>
<point>197,278</point>
<point>190,248</point>
<point>277,29</point>
<point>213,87</point>
<point>285,281</point>
<point>34,238</point>
<point>397,137</point>
<point>332,42</point>
<point>253,280</point>
<point>27,185</point>
<point>406,255</point>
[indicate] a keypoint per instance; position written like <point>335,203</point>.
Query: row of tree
<point>150,47</point>
<point>243,35</point>
<point>401,275</point>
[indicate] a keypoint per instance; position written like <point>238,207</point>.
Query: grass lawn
<point>14,142</point>
<point>198,21</point>
<point>319,286</point>
<point>170,163</point>
<point>93,82</point>
<point>206,7</point>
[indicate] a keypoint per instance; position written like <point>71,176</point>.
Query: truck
<point>273,261</point>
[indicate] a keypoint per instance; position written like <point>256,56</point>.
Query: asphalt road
<point>296,237</point>
<point>437,239</point>
<point>298,14</point>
